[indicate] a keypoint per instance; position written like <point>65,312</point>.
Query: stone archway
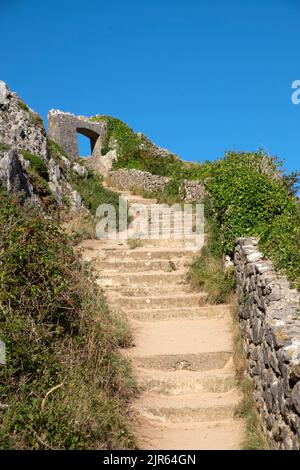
<point>63,128</point>
<point>94,138</point>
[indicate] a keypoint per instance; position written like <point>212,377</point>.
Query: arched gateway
<point>63,129</point>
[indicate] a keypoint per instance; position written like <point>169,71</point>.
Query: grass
<point>57,153</point>
<point>92,191</point>
<point>65,384</point>
<point>134,243</point>
<point>4,147</point>
<point>37,164</point>
<point>78,225</point>
<point>206,272</point>
<point>23,106</point>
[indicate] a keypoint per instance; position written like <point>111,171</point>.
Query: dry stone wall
<point>270,325</point>
<point>132,179</point>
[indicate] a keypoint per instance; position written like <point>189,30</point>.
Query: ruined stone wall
<point>192,191</point>
<point>270,326</point>
<point>132,179</point>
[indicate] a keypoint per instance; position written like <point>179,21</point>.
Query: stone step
<point>191,244</point>
<point>189,408</point>
<point>184,300</point>
<point>150,291</point>
<point>191,313</point>
<point>181,337</point>
<point>140,200</point>
<point>184,381</point>
<point>184,361</point>
<point>138,253</point>
<point>212,435</point>
<point>141,279</point>
<point>129,266</point>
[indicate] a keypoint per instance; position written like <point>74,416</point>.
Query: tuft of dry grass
<point>206,274</point>
<point>134,243</point>
<point>79,225</point>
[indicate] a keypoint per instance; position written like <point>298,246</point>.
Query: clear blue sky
<point>197,76</point>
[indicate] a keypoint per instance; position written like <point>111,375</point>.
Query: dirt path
<point>183,350</point>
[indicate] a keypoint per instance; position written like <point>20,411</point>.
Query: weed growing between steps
<point>65,386</point>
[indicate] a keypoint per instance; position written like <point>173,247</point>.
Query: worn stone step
<point>184,381</point>
<point>140,200</point>
<point>141,279</point>
<point>128,266</point>
<point>181,336</point>
<point>139,253</point>
<point>191,313</point>
<point>186,244</point>
<point>212,435</point>
<point>183,300</point>
<point>189,408</point>
<point>194,362</point>
<point>150,291</point>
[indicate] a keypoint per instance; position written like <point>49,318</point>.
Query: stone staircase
<point>183,347</point>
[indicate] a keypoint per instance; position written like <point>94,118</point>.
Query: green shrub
<point>92,191</point>
<point>250,196</point>
<point>65,384</point>
<point>37,164</point>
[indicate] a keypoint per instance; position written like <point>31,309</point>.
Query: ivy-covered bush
<point>251,196</point>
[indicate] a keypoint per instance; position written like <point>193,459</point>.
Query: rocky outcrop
<point>103,164</point>
<point>270,326</point>
<point>20,126</point>
<point>12,174</point>
<point>22,130</point>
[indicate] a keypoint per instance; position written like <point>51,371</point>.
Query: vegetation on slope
<point>135,151</point>
<point>64,386</point>
<point>206,272</point>
<point>250,196</point>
